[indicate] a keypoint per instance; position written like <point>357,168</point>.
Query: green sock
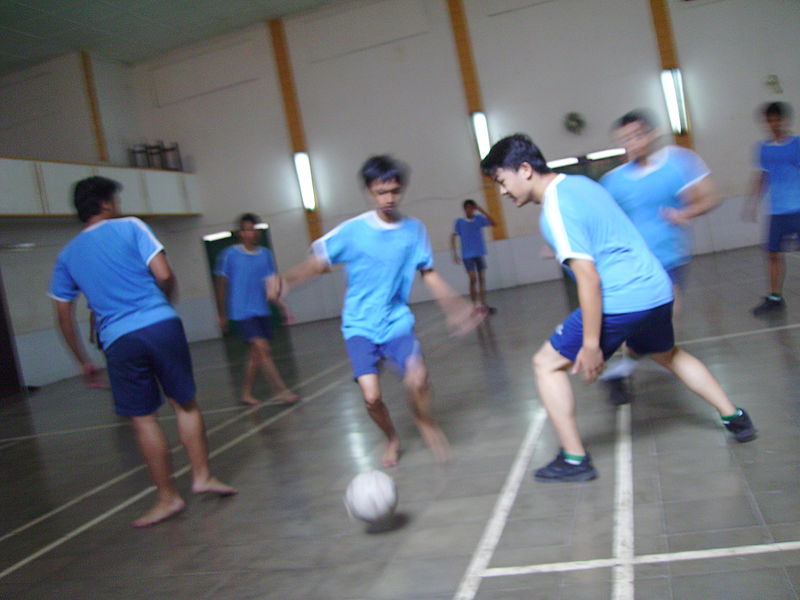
<point>730,418</point>
<point>573,459</point>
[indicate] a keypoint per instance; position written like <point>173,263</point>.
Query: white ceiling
<point>32,31</point>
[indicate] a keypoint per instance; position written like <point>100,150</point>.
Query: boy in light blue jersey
<point>778,162</point>
<point>661,190</point>
<point>469,231</point>
<point>382,251</point>
<point>120,266</point>
<point>243,274</point>
<point>625,296</point>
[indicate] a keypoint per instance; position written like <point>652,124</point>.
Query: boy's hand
<point>456,259</point>
<point>589,362</point>
<point>463,317</point>
<point>92,377</point>
<point>223,323</point>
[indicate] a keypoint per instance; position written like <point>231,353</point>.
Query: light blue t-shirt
<point>108,262</point>
<point>781,166</point>
<point>471,234</point>
<point>247,273</point>
<point>645,192</point>
<point>381,260</point>
<point>580,220</point>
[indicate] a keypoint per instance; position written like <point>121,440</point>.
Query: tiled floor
<point>71,473</point>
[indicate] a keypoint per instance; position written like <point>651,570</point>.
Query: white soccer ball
<point>371,496</point>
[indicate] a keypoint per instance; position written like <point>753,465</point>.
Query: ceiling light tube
<point>480,128</point>
<point>563,162</point>
<point>672,86</point>
<point>213,237</point>
<point>600,154</point>
<point>302,166</point>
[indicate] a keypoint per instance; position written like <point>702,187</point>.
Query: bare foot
<point>250,400</point>
<point>161,511</point>
<point>212,485</point>
<point>288,397</point>
<point>436,441</point>
<point>391,453</point>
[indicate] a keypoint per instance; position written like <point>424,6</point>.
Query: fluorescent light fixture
<point>213,237</point>
<point>303,168</point>
<point>261,226</point>
<point>605,153</point>
<point>672,86</point>
<point>563,162</point>
<point>481,130</point>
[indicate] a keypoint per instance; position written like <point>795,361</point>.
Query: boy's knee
<point>372,399</point>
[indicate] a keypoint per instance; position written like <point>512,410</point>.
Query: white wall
<point>117,109</point>
<point>44,113</point>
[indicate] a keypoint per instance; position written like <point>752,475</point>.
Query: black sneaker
<point>742,427</point>
<point>769,305</point>
<point>619,392</point>
<point>560,470</point>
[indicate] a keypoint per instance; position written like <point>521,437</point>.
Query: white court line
<point>623,575</point>
<point>645,559</point>
<point>727,336</point>
<point>141,467</point>
<point>502,508</point>
<point>99,519</point>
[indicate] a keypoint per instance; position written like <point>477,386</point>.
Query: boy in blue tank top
<point>625,296</point>
<point>383,251</point>
<point>120,266</point>
<point>243,274</point>
<point>778,178</point>
<point>469,231</point>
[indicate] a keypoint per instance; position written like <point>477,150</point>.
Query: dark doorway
<point>10,379</point>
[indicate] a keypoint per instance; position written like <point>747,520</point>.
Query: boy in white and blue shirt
<point>243,273</point>
<point>120,266</point>
<point>383,251</point>
<point>469,231</point>
<point>625,296</point>
<point>778,178</point>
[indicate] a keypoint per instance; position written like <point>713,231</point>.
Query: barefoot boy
<point>120,267</point>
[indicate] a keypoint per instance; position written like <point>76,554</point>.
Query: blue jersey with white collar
<point>780,163</point>
<point>381,260</point>
<point>247,273</point>
<point>580,220</point>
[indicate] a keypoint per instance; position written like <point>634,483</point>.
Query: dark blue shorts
<point>678,275</point>
<point>138,361</point>
<point>782,227</point>
<point>255,327</point>
<point>645,332</point>
<point>366,356</point>
<point>475,263</point>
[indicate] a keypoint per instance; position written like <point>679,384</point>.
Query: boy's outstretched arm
<point>461,316</point>
<point>282,284</point>
<point>590,296</point>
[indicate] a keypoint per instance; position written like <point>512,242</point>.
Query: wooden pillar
<point>94,107</point>
<point>472,94</point>
<point>662,24</point>
<point>291,109</point>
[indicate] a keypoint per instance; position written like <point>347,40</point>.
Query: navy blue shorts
<point>782,227</point>
<point>474,264</point>
<point>366,356</point>
<point>678,275</point>
<point>645,332</point>
<point>138,361</point>
<point>255,327</point>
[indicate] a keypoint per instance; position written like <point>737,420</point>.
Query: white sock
<point>624,367</point>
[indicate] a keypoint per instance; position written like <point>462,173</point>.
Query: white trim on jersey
<point>552,213</point>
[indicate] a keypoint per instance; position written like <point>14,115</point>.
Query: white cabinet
<point>40,188</point>
<point>19,189</point>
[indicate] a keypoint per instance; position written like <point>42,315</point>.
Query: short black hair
<point>511,152</point>
<point>88,194</point>
<point>639,115</point>
<point>383,168</point>
<point>469,202</point>
<point>782,110</point>
<point>249,217</point>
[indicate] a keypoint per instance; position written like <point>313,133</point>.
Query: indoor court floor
<point>680,511</point>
